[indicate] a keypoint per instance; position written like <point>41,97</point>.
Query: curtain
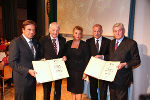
<point>131,19</point>
<point>40,18</point>
<point>52,10</point>
<point>9,18</point>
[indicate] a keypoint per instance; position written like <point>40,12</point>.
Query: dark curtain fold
<point>131,19</point>
<point>9,18</point>
<point>36,12</point>
<point>40,18</point>
<point>52,10</point>
<point>31,10</point>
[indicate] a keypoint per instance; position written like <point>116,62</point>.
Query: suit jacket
<point>127,52</point>
<point>20,59</point>
<point>47,49</point>
<point>104,49</point>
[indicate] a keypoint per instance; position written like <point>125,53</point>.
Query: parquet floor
<point>9,94</point>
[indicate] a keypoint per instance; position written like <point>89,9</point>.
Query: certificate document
<point>50,70</point>
<point>100,69</point>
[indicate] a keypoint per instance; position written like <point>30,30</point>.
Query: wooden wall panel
<point>1,28</point>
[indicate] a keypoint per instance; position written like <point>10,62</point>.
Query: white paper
<point>109,71</point>
<point>58,69</point>
<point>43,71</point>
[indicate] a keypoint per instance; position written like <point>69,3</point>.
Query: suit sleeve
<point>106,54</point>
<point>67,44</point>
<point>88,48</point>
<point>14,57</point>
<point>64,47</point>
<point>135,58</point>
<point>41,51</point>
<point>86,54</point>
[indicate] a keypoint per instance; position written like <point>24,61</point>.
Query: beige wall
<point>142,36</point>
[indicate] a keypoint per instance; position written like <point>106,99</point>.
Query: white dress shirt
<point>28,40</point>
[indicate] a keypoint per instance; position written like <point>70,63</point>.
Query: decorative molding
<point>85,37</point>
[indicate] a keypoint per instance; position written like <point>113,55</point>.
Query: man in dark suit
<point>126,51</point>
<point>98,47</point>
<point>22,51</point>
<point>52,46</point>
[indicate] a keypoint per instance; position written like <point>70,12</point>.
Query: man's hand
<point>32,72</point>
<point>43,59</point>
<point>98,56</point>
<point>64,58</point>
<point>121,65</point>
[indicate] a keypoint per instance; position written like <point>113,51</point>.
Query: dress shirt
<point>119,41</point>
<point>28,40</point>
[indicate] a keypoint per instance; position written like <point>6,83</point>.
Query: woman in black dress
<point>77,59</point>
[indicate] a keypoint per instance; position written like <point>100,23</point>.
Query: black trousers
<point>103,86</point>
<point>93,88</point>
<point>26,92</point>
<point>47,90</point>
<point>118,94</point>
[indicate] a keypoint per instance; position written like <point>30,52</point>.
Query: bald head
<point>97,31</point>
<point>54,29</point>
<point>53,24</point>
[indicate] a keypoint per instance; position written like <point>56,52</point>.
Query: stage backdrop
<point>86,13</point>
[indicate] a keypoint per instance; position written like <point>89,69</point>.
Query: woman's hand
<point>64,58</point>
<point>43,59</point>
<point>84,76</point>
<point>32,72</point>
<point>99,56</point>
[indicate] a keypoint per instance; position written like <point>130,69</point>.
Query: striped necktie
<point>116,45</point>
<point>97,45</point>
<point>31,46</point>
<point>54,44</point>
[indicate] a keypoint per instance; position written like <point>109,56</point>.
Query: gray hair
<point>119,24</point>
<point>54,23</point>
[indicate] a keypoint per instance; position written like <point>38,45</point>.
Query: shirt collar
<point>100,39</point>
<point>119,41</point>
<point>54,38</point>
<point>26,38</point>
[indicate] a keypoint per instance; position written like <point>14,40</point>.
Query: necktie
<point>54,44</point>
<point>31,46</point>
<point>116,45</point>
<point>97,45</point>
